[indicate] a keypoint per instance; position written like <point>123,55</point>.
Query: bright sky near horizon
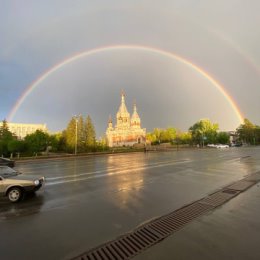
<point>181,60</point>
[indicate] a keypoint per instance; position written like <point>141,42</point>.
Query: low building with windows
<point>21,130</point>
<point>127,130</point>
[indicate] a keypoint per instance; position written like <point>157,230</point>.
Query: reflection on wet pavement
<point>31,204</point>
<point>96,198</point>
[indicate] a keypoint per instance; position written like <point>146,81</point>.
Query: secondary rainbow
<point>161,52</point>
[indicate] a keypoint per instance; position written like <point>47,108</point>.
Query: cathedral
<point>127,130</point>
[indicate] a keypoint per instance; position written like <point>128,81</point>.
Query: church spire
<point>110,122</point>
<point>123,117</point>
<point>122,109</point>
<point>135,109</point>
<point>122,97</point>
<point>135,119</point>
<point>110,119</point>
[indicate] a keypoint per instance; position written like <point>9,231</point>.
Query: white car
<point>218,146</point>
<point>211,145</point>
<point>222,146</point>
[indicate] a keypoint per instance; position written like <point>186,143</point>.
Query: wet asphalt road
<point>90,200</point>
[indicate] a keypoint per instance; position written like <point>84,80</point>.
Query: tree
<point>2,148</point>
<point>90,134</point>
<point>158,133</point>
<point>70,135</point>
<point>162,135</point>
<point>16,146</point>
<point>204,132</point>
<point>5,134</point>
<point>257,134</point>
<point>151,137</point>
<point>184,138</point>
<point>223,138</point>
<point>80,131</point>
<point>37,142</point>
<point>248,132</point>
<point>57,142</point>
<point>5,137</point>
<point>168,135</point>
<point>101,144</point>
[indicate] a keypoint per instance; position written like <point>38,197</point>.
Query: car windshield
<point>7,172</point>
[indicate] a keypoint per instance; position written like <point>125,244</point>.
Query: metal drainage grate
<point>218,198</point>
<point>253,177</point>
<point>230,191</point>
<point>177,219</point>
<point>241,185</point>
<point>124,247</point>
<point>133,243</point>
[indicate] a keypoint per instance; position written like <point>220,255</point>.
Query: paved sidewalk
<point>230,232</point>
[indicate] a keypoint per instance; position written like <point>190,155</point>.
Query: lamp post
<point>202,137</point>
<point>76,133</point>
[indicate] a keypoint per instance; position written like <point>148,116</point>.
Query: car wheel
<point>15,194</point>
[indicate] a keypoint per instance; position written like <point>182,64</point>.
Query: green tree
<point>101,144</point>
<point>82,132</point>
<point>16,146</point>
<point>204,132</point>
<point>223,138</point>
<point>5,134</point>
<point>5,137</point>
<point>257,134</point>
<point>2,148</point>
<point>62,141</point>
<point>57,142</point>
<point>70,135</point>
<point>168,135</point>
<point>184,138</point>
<point>151,137</point>
<point>162,135</point>
<point>158,134</point>
<point>248,132</point>
<point>90,134</point>
<point>81,129</point>
<point>37,142</point>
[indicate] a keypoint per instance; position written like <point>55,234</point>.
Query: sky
<point>180,60</point>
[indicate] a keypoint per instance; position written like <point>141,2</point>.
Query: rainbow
<point>227,40</point>
<point>88,53</point>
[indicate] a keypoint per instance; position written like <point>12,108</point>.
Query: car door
<point>1,161</point>
<point>2,180</point>
<point>2,186</point>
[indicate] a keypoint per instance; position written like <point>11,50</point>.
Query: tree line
<point>79,136</point>
<point>205,132</point>
<point>201,133</point>
<point>249,133</point>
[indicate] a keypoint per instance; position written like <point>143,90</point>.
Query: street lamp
<point>203,138</point>
<point>76,133</point>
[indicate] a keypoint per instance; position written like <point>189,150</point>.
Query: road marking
<point>108,169</point>
<point>107,174</point>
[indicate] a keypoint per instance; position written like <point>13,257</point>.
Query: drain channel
<point>133,243</point>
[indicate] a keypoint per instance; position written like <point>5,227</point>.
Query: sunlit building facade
<point>21,130</point>
<point>127,130</point>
